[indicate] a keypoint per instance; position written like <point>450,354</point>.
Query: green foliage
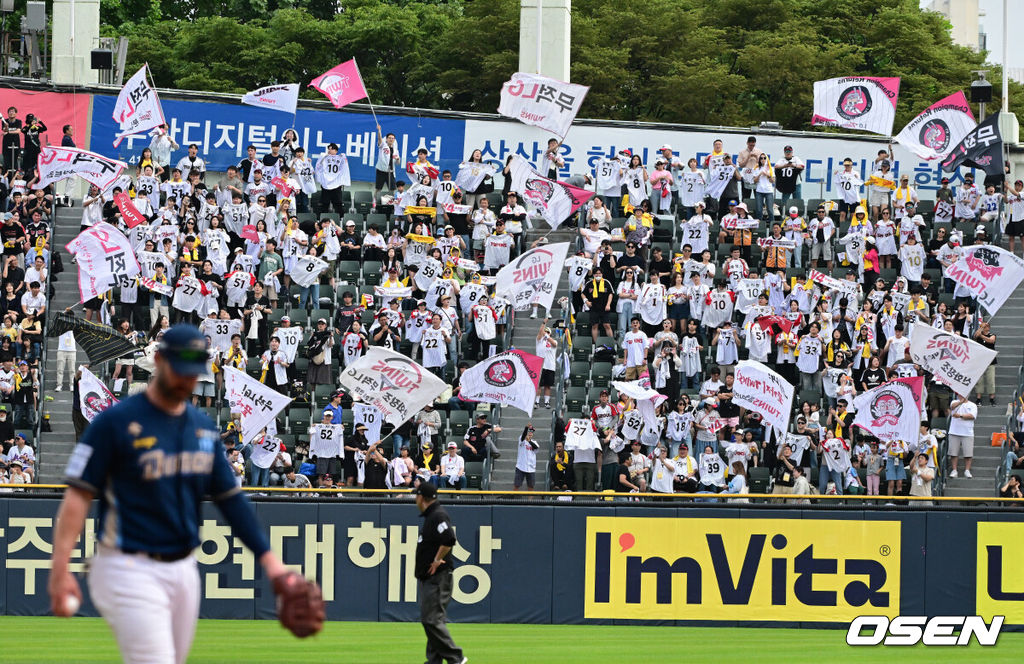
<point>728,62</point>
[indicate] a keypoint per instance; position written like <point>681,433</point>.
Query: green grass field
<point>40,640</point>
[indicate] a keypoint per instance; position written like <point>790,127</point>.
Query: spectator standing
<point>961,434</point>
<point>526,460</point>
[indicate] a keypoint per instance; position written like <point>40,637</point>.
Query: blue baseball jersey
<point>151,472</point>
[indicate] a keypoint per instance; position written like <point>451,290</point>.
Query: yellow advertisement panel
<point>812,570</point>
<point>1000,586</point>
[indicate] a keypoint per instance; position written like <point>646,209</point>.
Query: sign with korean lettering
<point>137,108</point>
<point>255,402</point>
<point>104,257</point>
<point>982,148</point>
<point>222,132</point>
<point>59,163</point>
<point>541,101</point>
<point>392,383</point>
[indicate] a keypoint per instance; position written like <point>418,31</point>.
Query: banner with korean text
<point>104,257</point>
<point>532,278</point>
<point>255,402</point>
<point>541,101</point>
<point>990,273</point>
<point>138,107</point>
<point>94,396</point>
<point>58,163</point>
<point>952,359</point>
<point>392,383</point>
<point>764,391</point>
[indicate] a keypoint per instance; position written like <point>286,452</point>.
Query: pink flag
<point>342,84</point>
<point>249,233</point>
<point>282,186</point>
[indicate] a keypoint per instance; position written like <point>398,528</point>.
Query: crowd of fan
<point>25,231</point>
<point>278,267</point>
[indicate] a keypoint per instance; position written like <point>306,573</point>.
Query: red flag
<point>342,84</point>
<point>410,168</point>
<point>249,233</point>
<point>282,186</point>
<point>129,212</point>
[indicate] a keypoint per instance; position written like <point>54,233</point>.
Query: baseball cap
<point>604,392</point>
<point>452,445</point>
<point>426,489</point>
<point>732,202</point>
<point>666,146</point>
<point>285,318</point>
<point>788,148</point>
<point>350,223</point>
<point>360,426</point>
<point>21,435</point>
<point>794,211</point>
<point>184,347</point>
<point>945,180</point>
<point>321,321</point>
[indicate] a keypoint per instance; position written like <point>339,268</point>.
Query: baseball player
<point>151,460</point>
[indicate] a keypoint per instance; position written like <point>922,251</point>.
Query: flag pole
<point>368,102</point>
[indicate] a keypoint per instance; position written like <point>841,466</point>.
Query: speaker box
<point>35,16</point>
<point>981,92</point>
<point>102,59</point>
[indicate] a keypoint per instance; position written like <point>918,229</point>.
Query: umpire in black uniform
<point>434,572</point>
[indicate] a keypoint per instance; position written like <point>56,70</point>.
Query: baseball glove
<point>300,607</point>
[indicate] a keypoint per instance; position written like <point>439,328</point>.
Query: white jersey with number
<point>912,258</point>
<point>718,307</point>
<point>237,285</point>
<point>679,426</point>
<point>691,188</point>
<point>469,295</point>
<point>352,348</point>
<point>187,294</point>
<point>712,470</point>
<point>849,186</point>
<point>149,188</point>
<point>809,359</point>
<point>435,348</point>
<point>632,424</point>
<point>326,441</point>
<point>370,417</point>
<point>695,233</point>
<point>290,338</point>
<point>607,174</point>
<point>635,185</point>
<point>836,455</point>
<point>579,268</point>
<point>220,332</point>
<point>264,451</point>
<point>759,342</point>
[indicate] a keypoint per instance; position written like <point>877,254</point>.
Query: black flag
<point>982,148</point>
<point>101,342</point>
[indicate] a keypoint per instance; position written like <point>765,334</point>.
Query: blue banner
<point>222,133</point>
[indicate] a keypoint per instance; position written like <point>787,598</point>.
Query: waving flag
<point>276,97</point>
<point>95,397</point>
<point>990,273</point>
<point>392,383</point>
<point>129,213</point>
<point>954,360</point>
<point>532,278</point>
<point>59,163</point>
<point>939,128</point>
<point>856,102</point>
<point>541,101</point>
<point>982,148</point>
<point>891,411</point>
<point>762,390</point>
<point>257,403</point>
<point>104,257</point>
<point>138,107</point>
<point>508,379</point>
<point>342,84</point>
<point>100,342</point>
<point>556,201</point>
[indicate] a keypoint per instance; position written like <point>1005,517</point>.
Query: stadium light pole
<point>1006,61</point>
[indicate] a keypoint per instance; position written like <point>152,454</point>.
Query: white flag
<point>939,128</point>
<point>104,257</point>
<point>508,379</point>
<point>392,383</point>
<point>138,107</point>
<point>953,360</point>
<point>720,177</point>
<point>277,97</point>
<point>532,278</point>
<point>763,391</point>
<point>472,173</point>
<point>856,102</point>
<point>555,201</point>
<point>94,396</point>
<point>370,417</point>
<point>891,411</point>
<point>990,273</point>
<point>581,435</point>
<point>59,163</point>
<point>541,101</point>
<point>257,403</point>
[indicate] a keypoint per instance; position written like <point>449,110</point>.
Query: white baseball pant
<point>151,606</point>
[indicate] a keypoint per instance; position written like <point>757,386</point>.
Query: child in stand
<point>874,468</point>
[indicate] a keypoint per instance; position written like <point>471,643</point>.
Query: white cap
<point>666,146</point>
<point>794,210</point>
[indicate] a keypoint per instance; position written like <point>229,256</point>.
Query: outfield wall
<point>576,564</point>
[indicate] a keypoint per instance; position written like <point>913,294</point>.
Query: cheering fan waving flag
<point>856,102</point>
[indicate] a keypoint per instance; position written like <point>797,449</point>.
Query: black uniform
<point>435,591</point>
